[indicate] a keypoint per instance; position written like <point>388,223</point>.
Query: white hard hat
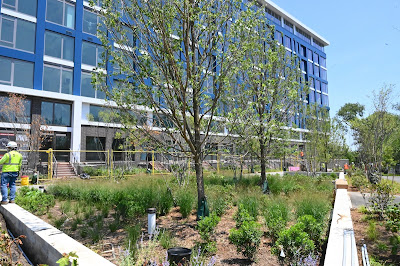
<point>12,145</point>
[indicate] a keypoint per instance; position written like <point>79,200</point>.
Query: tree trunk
<point>198,166</point>
<point>263,162</point>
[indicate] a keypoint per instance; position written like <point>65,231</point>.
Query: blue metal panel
<point>78,47</point>
<point>12,53</point>
<point>39,48</point>
<point>61,29</point>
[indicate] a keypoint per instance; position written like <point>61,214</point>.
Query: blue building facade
<point>48,49</point>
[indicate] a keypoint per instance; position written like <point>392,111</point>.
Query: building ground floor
<point>73,128</point>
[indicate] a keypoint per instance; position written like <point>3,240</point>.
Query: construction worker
<point>11,162</point>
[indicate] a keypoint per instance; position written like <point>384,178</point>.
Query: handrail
<point>55,165</point>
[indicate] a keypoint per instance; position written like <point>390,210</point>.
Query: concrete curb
<point>45,244</point>
<point>341,249</point>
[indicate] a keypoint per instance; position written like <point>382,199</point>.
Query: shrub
<point>31,199</point>
<point>311,227</point>
<point>381,198</point>
<point>247,238</point>
<point>276,217</point>
<point>241,216</point>
<point>58,223</point>
<point>392,214</point>
<point>206,228</point>
<point>295,243</point>
<point>185,201</point>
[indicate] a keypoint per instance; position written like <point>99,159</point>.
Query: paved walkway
<point>357,199</point>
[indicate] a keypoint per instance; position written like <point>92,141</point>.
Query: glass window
<point>324,87</point>
<point>23,74</point>
<point>47,112</point>
<point>310,68</point>
<point>323,73</point>
<point>22,115</point>
<point>309,54</point>
<point>287,25</point>
<point>24,6</point>
<point>303,50</point>
<point>278,37</point>
<point>317,85</point>
<point>128,36</point>
<point>57,79</point>
<point>92,22</point>
<point>92,54</point>
<point>17,33</point>
<point>95,144</point>
<point>58,45</point>
<point>322,61</point>
<point>318,97</point>
<point>325,101</point>
<point>311,97</point>
<point>315,58</point>
<point>58,114</point>
<point>86,86</point>
<point>316,70</point>
<point>287,42</point>
<point>61,12</point>
<point>62,114</point>
<point>16,73</point>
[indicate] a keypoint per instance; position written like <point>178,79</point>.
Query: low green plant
<point>276,216</point>
<point>316,206</point>
<point>185,200</point>
<point>166,202</point>
<point>241,216</point>
<point>382,247</point>
<point>114,226</point>
<point>294,243</point>
<point>166,239</point>
<point>206,228</point>
<point>68,259</point>
<point>312,227</point>
<point>372,233</point>
<point>246,238</point>
<point>395,243</point>
<point>65,207</point>
<point>133,234</point>
<point>251,205</point>
<point>32,200</point>
<point>84,232</point>
<point>58,223</point>
<point>219,205</point>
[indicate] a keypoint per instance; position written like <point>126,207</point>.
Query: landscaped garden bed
<point>10,254</point>
<point>245,226</point>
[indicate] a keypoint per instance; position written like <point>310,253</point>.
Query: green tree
<point>172,66</point>
<point>268,95</point>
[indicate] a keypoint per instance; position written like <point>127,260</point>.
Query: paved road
<point>357,199</point>
<point>396,178</point>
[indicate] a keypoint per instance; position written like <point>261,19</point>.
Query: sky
<point>364,50</point>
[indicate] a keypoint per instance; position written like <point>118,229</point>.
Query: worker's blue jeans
<point>8,178</point>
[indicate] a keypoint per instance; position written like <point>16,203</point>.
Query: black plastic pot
<point>179,255</point>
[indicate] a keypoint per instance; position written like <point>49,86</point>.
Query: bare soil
<point>360,226</point>
<point>16,254</point>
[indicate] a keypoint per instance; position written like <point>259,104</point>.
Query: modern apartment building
<point>48,49</point>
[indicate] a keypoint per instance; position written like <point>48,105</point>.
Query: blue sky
<point>364,50</point>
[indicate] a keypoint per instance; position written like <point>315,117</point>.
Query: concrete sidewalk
<point>357,199</point>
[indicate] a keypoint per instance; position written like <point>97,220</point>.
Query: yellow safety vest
<point>11,162</point>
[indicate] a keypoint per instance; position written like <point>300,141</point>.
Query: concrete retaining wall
<point>45,244</point>
<point>341,249</point>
